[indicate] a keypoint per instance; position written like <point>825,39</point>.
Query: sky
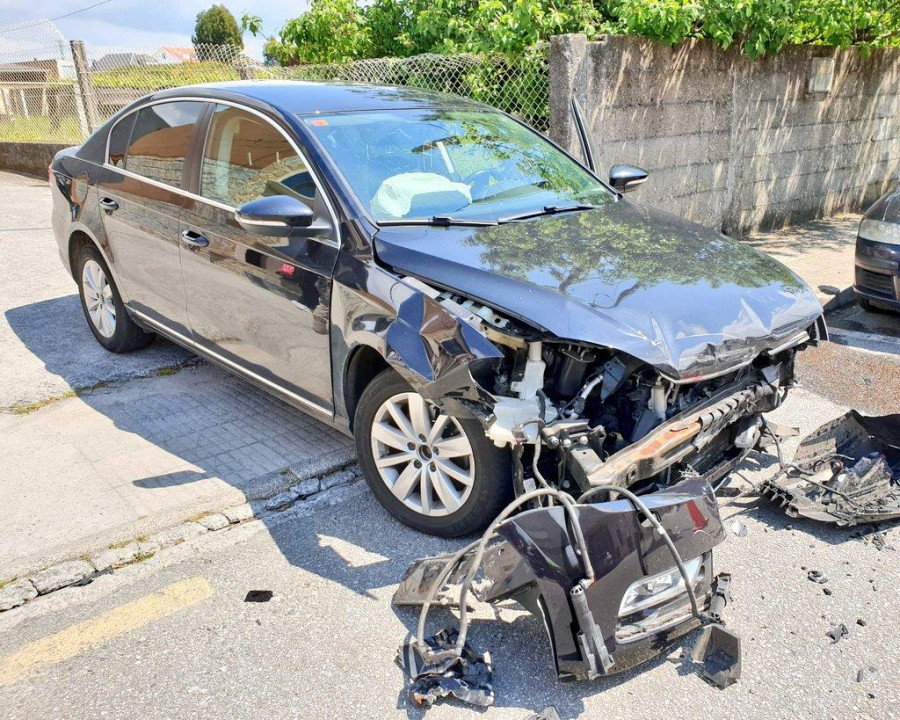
<point>144,23</point>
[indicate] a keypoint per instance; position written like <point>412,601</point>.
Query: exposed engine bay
<point>579,416</point>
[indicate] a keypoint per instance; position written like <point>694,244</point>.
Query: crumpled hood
<point>674,294</point>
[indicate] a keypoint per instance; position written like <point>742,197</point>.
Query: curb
<point>844,298</point>
<point>295,484</point>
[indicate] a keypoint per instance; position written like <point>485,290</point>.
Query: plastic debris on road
<point>467,677</point>
<point>846,472</point>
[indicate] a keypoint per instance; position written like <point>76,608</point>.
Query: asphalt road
<point>172,636</point>
<point>324,646</point>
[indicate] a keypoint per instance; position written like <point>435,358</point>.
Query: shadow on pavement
<point>55,331</point>
<point>179,441</point>
<point>879,322</point>
<point>827,234</point>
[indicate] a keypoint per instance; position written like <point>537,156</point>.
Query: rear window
<point>160,141</point>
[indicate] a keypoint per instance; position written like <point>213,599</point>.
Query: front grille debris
<point>846,472</point>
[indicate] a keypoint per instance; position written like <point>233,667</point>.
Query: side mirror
<point>626,178</point>
<point>275,215</point>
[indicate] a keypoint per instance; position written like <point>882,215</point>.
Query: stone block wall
<point>731,142</point>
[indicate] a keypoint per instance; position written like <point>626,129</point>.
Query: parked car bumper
<point>878,273</point>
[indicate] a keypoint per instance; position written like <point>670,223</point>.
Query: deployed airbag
<point>418,194</point>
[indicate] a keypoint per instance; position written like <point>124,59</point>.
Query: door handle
<point>108,205</point>
<point>193,239</point>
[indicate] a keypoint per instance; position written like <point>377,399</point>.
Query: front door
<point>258,302</point>
<point>141,205</point>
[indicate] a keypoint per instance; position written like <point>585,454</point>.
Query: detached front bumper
<point>535,563</point>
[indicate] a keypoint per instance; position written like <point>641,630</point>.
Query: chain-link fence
<point>39,96</point>
<point>55,91</point>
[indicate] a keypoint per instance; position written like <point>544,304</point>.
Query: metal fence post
<point>88,113</point>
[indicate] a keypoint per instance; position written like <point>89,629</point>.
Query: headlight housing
<point>657,602</point>
<point>879,231</point>
<point>656,589</point>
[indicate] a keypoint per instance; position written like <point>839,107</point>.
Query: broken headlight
<point>656,589</point>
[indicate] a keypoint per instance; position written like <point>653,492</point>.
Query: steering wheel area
<point>490,181</point>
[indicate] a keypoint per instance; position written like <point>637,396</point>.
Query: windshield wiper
<point>547,210</point>
<point>437,221</point>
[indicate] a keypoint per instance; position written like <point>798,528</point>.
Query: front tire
<point>438,474</point>
<point>103,307</point>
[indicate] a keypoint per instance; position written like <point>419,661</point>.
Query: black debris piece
<point>467,677</point>
<point>838,632</point>
<point>846,472</point>
<point>259,596</point>
<point>719,652</point>
<point>861,622</point>
<point>826,590</point>
<point>817,577</point>
<point>536,560</point>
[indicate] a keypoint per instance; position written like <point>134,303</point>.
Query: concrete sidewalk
<point>820,251</point>
<point>98,448</point>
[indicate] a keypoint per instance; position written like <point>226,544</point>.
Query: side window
<point>118,140</point>
<point>160,140</point>
<point>246,157</point>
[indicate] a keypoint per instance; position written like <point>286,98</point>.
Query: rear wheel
<point>103,307</point>
<point>435,473</point>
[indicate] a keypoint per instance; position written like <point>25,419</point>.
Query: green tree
<point>330,31</point>
<point>215,27</point>
<point>342,30</point>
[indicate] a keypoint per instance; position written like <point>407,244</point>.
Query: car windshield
<point>426,164</point>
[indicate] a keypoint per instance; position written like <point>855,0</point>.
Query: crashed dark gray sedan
<point>474,305</point>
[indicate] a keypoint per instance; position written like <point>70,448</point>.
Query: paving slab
<point>820,251</point>
<point>125,460</point>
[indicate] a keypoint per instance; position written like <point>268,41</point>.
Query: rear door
<point>142,196</point>
<point>258,302</point>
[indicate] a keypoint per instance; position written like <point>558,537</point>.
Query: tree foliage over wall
<point>761,27</point>
<point>342,30</point>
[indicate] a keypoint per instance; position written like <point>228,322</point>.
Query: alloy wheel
<point>422,455</point>
<point>98,298</point>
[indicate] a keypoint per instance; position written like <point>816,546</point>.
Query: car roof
<point>299,97</point>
